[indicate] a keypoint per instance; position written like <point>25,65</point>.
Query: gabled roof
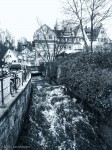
<point>95,32</point>
<point>43,27</point>
<point>59,33</point>
<point>13,51</point>
<point>66,33</point>
<point>26,50</point>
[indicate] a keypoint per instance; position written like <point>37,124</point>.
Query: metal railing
<point>10,84</point>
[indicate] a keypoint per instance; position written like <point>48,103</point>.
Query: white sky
<point>19,16</point>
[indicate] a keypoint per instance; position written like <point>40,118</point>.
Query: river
<point>56,122</point>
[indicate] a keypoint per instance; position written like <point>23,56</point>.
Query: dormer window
<point>70,29</point>
<point>38,36</point>
<point>102,31</point>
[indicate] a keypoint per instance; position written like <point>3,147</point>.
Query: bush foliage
<point>89,78</point>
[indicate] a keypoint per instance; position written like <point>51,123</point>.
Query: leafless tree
<point>89,11</point>
<point>98,11</point>
<point>44,44</point>
<point>76,10</point>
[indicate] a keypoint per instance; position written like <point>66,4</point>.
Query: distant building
<point>25,57</point>
<point>70,39</point>
<point>100,37</point>
<point>43,40</point>
<point>10,57</point>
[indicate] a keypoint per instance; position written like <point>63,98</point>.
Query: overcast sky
<point>19,16</point>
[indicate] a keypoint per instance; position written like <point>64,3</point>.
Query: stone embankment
<point>12,117</point>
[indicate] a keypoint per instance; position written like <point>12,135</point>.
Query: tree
<point>48,41</point>
<point>9,40</point>
<point>76,10</point>
<point>48,45</point>
<point>23,43</point>
<point>6,42</point>
<point>92,12</point>
<point>98,11</point>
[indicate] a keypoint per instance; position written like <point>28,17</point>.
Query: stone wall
<point>12,119</point>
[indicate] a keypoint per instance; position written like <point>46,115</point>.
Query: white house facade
<point>10,57</point>
<point>100,37</point>
<point>44,43</point>
<point>69,37</point>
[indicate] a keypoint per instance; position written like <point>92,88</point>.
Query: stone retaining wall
<point>12,119</point>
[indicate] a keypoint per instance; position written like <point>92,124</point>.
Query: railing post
<point>2,94</point>
<point>15,83</point>
<point>22,78</point>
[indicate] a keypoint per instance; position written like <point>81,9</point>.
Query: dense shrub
<point>89,77</point>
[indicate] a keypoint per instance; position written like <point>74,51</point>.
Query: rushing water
<point>56,122</point>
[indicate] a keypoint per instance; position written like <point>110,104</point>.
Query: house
<point>28,57</point>
<point>73,39</point>
<point>43,40</point>
<point>69,38</point>
<point>100,37</point>
<point>11,56</point>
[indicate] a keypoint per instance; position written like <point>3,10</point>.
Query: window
<point>105,40</point>
<point>102,40</point>
<point>69,46</point>
<point>65,47</point>
<point>38,36</point>
<point>102,31</point>
<point>50,36</point>
<point>70,29</point>
<point>62,39</point>
<point>14,60</point>
<point>19,60</point>
<point>70,39</point>
<point>77,39</point>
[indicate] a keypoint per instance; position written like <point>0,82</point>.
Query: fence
<point>10,84</point>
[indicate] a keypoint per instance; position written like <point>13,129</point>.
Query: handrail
<point>9,85</point>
